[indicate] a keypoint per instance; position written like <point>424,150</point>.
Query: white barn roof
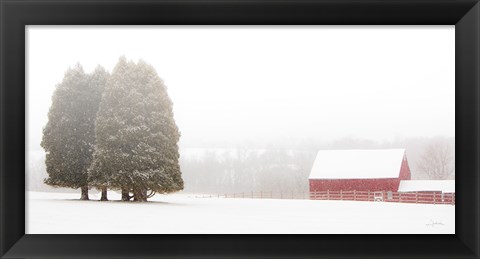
<point>357,164</point>
<point>427,185</point>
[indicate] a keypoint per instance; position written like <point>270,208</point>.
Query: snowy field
<point>63,213</point>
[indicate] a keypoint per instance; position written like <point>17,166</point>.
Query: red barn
<point>359,170</point>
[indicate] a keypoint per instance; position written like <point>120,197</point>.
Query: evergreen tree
<point>68,137</point>
<point>136,136</point>
<point>97,82</point>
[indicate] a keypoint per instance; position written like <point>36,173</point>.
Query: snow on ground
<point>63,213</point>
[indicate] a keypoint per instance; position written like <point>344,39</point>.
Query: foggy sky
<point>231,84</point>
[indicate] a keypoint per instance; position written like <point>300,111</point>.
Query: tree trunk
<point>125,195</point>
<point>84,193</point>
<point>140,195</point>
<point>104,194</point>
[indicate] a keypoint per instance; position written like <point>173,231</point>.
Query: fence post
<point>434,197</point>
<point>416,197</point>
<point>341,196</point>
<point>399,197</point>
<point>368,195</point>
<point>354,195</point>
<point>328,194</point>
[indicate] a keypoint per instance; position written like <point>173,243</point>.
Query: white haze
<point>232,85</point>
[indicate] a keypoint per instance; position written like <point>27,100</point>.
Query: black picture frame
<point>16,14</point>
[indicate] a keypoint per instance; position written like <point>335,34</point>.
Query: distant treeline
<point>247,170</point>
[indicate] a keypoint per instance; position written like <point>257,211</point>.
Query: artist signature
<point>433,223</point>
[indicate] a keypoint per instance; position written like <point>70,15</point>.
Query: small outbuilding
<point>427,191</point>
<point>427,186</point>
<point>359,170</point>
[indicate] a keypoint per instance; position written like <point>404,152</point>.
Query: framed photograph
<point>239,129</point>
